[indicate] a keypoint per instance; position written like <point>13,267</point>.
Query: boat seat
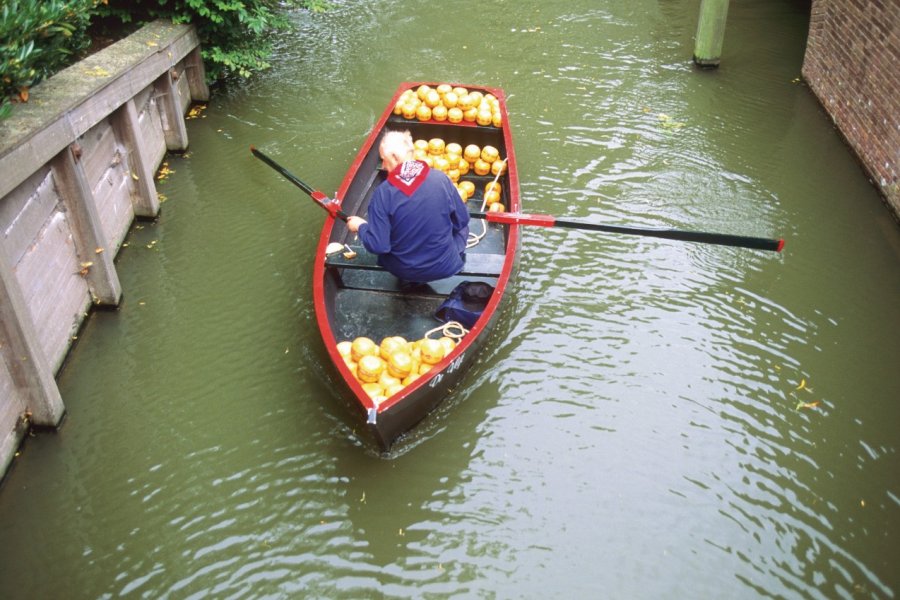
<point>477,264</point>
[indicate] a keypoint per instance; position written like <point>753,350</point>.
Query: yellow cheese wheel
<point>362,346</point>
<point>489,154</point>
<point>344,348</point>
<point>432,351</point>
<point>369,368</point>
<point>387,380</point>
<point>423,112</point>
<point>448,343</point>
<point>400,364</point>
<point>373,389</point>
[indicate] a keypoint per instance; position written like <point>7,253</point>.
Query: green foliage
<point>36,40</point>
<point>233,33</point>
<point>39,37</point>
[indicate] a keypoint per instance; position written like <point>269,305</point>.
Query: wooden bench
<point>477,264</point>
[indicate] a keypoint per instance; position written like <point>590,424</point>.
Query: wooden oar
<point>321,199</point>
<point>669,234</point>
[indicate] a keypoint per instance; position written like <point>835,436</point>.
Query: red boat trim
<point>319,269</point>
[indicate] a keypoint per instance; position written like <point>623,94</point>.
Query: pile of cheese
<point>385,369</point>
<point>456,162</point>
<point>448,103</point>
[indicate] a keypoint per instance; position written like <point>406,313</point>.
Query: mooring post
<point>196,76</point>
<point>20,349</point>
<point>90,241</point>
<point>144,198</point>
<point>710,32</point>
<point>174,128</point>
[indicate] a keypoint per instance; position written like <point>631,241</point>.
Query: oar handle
<point>321,199</point>
<point>516,218</point>
<point>721,239</point>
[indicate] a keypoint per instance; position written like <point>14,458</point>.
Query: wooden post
<point>174,128</point>
<point>144,199</point>
<point>22,352</point>
<point>91,244</point>
<point>710,32</point>
<point>196,76</point>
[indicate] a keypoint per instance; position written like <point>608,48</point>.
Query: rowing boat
<point>354,298</point>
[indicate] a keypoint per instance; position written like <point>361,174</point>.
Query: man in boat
<point>417,224</point>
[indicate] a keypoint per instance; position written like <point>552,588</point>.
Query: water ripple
<point>707,421</point>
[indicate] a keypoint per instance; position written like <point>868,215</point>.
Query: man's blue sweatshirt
<point>417,224</point>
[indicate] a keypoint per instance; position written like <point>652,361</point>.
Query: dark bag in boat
<point>465,303</point>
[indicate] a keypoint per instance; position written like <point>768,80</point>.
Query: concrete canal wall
<point>851,64</point>
<point>77,165</point>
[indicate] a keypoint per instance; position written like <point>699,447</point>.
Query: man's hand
<point>354,223</point>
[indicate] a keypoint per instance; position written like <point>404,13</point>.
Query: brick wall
<point>852,64</point>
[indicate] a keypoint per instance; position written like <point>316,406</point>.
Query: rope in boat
<point>475,238</point>
<point>451,329</point>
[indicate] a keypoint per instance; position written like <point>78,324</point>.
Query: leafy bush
<point>36,40</point>
<point>233,33</point>
<point>39,37</point>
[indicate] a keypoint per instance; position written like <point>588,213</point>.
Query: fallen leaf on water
<point>164,171</point>
<point>196,111</point>
<point>802,384</point>
<point>667,122</point>
<point>802,404</point>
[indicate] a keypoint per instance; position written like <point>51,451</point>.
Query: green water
<point>651,418</point>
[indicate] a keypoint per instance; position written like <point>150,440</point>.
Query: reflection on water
<point>652,419</point>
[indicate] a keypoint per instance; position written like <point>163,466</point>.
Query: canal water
<point>650,419</point>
